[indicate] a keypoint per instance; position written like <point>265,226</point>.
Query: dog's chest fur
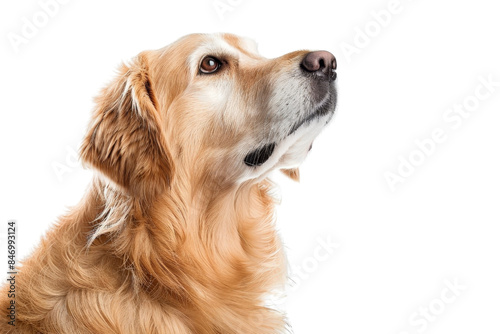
<point>153,276</point>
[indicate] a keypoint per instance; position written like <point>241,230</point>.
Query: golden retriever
<point>175,233</point>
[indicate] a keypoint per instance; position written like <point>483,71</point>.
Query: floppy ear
<point>292,173</point>
<point>124,139</point>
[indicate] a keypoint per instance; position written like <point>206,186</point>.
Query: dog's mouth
<point>324,108</point>
<point>260,155</point>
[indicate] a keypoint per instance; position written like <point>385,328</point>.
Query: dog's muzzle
<point>321,67</point>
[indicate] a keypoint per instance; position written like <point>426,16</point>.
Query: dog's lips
<point>259,156</point>
<point>325,108</point>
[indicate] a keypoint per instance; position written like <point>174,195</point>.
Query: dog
<point>175,233</point>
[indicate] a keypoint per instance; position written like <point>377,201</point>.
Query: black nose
<point>322,63</point>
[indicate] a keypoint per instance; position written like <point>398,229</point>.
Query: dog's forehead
<point>243,44</point>
<point>231,43</point>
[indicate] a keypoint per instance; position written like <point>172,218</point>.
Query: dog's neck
<point>214,252</point>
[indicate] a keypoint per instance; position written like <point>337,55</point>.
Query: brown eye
<point>210,65</point>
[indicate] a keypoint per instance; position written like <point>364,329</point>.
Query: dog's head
<point>209,108</point>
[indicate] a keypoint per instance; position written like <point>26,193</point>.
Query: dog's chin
<point>299,142</point>
<point>289,152</point>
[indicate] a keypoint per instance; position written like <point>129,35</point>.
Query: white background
<point>396,248</point>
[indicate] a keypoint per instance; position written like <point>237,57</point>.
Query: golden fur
<point>168,238</point>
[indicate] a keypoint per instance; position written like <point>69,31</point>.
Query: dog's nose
<point>322,63</point>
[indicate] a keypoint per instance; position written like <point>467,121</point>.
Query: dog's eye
<point>210,64</point>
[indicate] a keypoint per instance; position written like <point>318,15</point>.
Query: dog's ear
<point>124,139</point>
<point>292,173</point>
